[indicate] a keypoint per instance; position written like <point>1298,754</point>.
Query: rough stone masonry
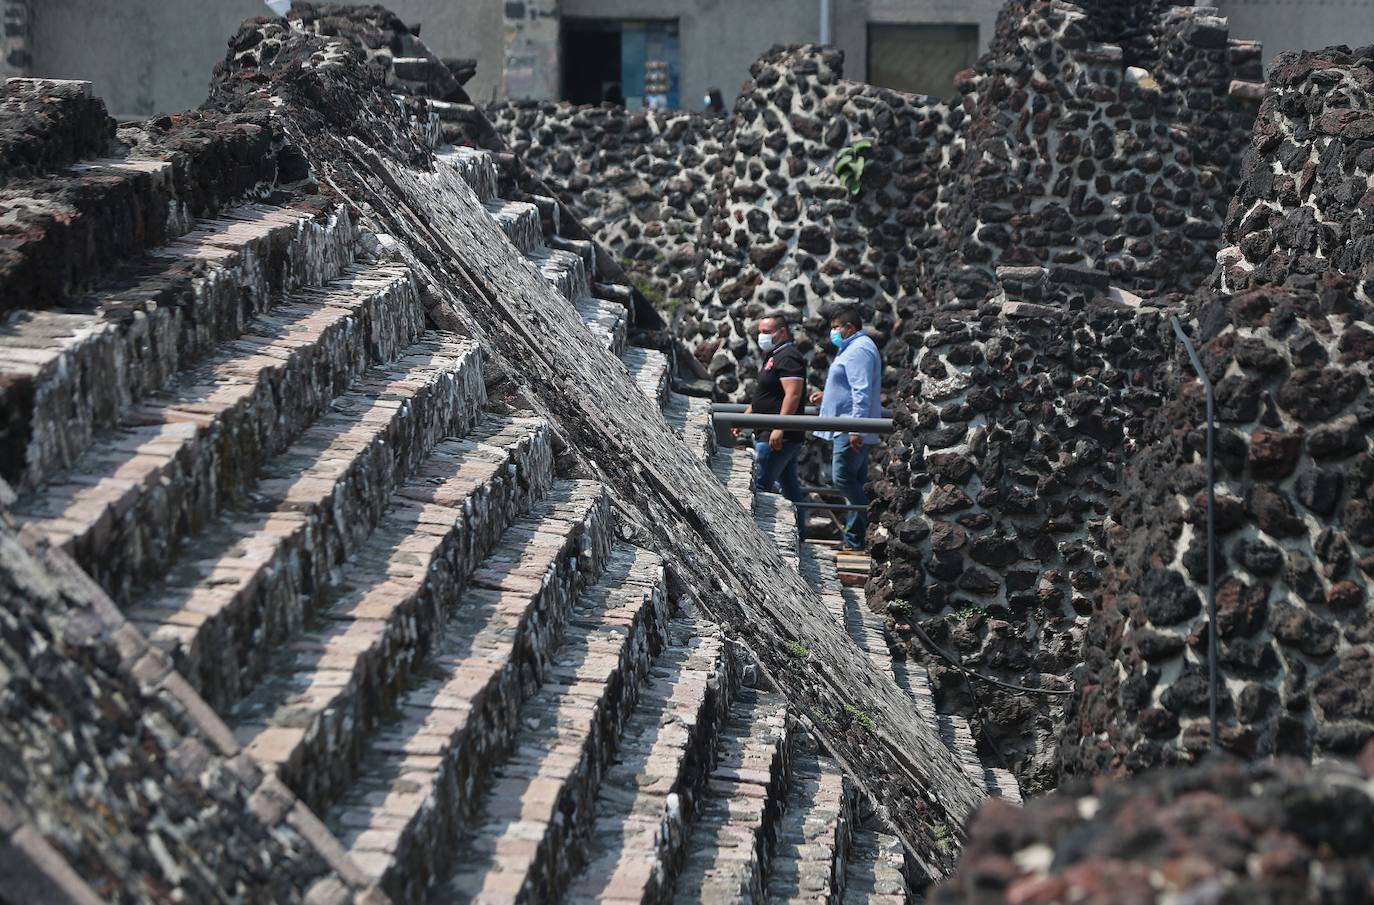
<point>351,555</point>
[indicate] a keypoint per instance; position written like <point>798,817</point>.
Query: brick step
<point>958,738</point>
<point>656,780</point>
<point>66,233</point>
<point>776,517</point>
<point>550,214</point>
<point>328,686</point>
<point>519,221</point>
<point>649,370</point>
<point>66,374</point>
<point>734,467</point>
<point>690,417</point>
<point>476,167</point>
<point>537,813</point>
<point>179,457</point>
<point>873,875</point>
<point>730,843</point>
<point>809,862</point>
<point>421,773</point>
<point>583,248</point>
<point>563,270</point>
<point>250,579</point>
<point>606,320</point>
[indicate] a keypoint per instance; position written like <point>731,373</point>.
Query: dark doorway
<point>634,62</point>
<point>591,61</point>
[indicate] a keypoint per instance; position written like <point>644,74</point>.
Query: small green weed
<point>849,166</point>
<point>797,649</point>
<point>860,717</point>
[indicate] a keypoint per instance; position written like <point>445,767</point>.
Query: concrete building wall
<point>155,56</point>
<point>1300,24</point>
<point>149,56</point>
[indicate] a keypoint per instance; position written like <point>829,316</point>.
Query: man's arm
<point>860,389</point>
<point>791,405</point>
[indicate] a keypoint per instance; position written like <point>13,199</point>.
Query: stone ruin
<point>357,545</point>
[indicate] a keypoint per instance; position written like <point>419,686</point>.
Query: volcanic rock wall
<point>1077,156</point>
<point>139,789</point>
<point>1079,178</point>
<point>1295,517</point>
<point>1222,832</point>
<point>640,181</point>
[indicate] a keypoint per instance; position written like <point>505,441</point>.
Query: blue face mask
<point>766,342</point>
<point>837,337</point>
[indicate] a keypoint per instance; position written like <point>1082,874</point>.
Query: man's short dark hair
<point>848,316</point>
<point>779,316</point>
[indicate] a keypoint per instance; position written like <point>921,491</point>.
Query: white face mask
<point>766,342</point>
<point>706,100</point>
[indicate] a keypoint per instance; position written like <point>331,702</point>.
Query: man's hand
<point>816,396</point>
<point>775,440</point>
<point>856,442</point>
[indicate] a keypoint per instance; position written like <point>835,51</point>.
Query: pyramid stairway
<point>379,579</point>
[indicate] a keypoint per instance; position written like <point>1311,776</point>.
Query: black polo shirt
<point>785,361</point>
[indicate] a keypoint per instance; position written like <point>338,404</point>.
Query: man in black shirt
<point>781,382</point>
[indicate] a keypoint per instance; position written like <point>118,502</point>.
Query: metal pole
<point>739,407</point>
<point>1212,678</point>
<point>825,21</point>
<point>806,423</point>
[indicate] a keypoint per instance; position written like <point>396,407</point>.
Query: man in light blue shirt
<point>852,390</point>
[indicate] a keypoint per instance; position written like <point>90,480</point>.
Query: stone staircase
<point>376,576</point>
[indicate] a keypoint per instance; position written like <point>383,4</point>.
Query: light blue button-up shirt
<point>854,385</point>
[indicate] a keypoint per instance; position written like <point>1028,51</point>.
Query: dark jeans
<point>774,469</point>
<point>849,473</point>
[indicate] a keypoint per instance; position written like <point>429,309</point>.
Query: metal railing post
<point>1212,678</point>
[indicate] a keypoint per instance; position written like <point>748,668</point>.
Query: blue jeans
<point>774,469</point>
<point>849,473</point>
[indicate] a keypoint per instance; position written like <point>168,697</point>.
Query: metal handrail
<point>806,422</point>
<point>718,407</point>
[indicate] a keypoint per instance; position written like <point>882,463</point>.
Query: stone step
<point>563,270</point>
<point>537,813</point>
<point>519,221</point>
<point>734,467</point>
<point>476,167</point>
<point>179,457</point>
<point>248,581</point>
<point>690,417</point>
<point>649,370</point>
<point>776,517</point>
<point>1002,784</point>
<point>66,233</point>
<point>550,213</point>
<point>421,773</point>
<point>958,738</point>
<point>66,374</point>
<point>874,872</point>
<point>580,247</point>
<point>62,122</point>
<point>653,787</point>
<point>809,862</point>
<point>730,844</point>
<point>327,688</point>
<point>606,320</point>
